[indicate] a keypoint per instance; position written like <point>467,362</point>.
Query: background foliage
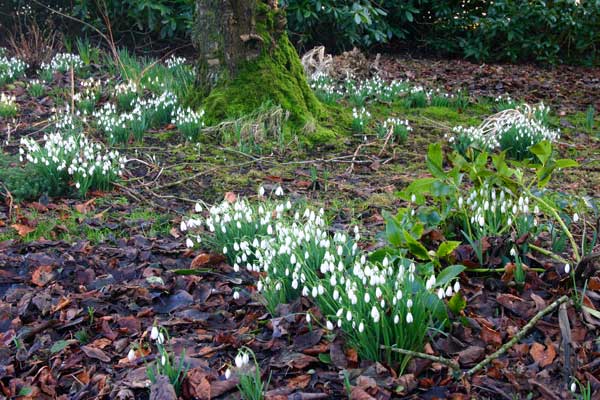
<point>548,31</point>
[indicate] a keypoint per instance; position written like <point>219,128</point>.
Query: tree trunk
<point>247,60</point>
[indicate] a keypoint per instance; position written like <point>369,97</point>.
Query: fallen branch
<point>518,336</point>
<point>446,361</point>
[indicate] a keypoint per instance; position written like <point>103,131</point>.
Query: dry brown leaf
<point>542,355</point>
<point>84,208</point>
<point>42,275</point>
<point>23,230</point>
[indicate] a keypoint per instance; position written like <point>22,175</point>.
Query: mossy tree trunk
<point>246,60</point>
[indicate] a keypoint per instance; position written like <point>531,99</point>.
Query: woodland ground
<point>74,285</point>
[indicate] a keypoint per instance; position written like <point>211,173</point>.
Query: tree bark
<point>226,36</point>
<point>246,60</point>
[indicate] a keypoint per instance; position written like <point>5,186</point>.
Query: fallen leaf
<point>42,275</point>
<point>196,385</point>
<point>163,390</point>
<point>490,336</point>
<point>542,355</point>
<point>23,230</point>
<point>360,394</point>
<point>84,208</point>
<point>206,259</point>
<point>93,352</point>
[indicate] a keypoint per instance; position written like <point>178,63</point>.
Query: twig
<point>446,361</point>
<point>548,253</point>
<point>518,336</point>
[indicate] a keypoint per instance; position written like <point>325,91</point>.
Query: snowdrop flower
<point>154,333</point>
<point>456,286</point>
<point>183,226</point>
<point>163,360</point>
<point>513,252</point>
<point>161,338</point>
<point>261,191</point>
<point>236,295</point>
<point>329,325</point>
<point>189,243</point>
<point>361,327</point>
<point>375,314</point>
<point>409,317</point>
<point>575,217</point>
<point>227,374</point>
<point>279,191</point>
<point>441,293</point>
<point>567,268</point>
<point>449,291</point>
<point>131,355</point>
<point>573,387</point>
<point>198,207</point>
<point>239,361</point>
<point>308,318</point>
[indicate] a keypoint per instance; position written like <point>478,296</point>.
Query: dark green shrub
<point>23,182</point>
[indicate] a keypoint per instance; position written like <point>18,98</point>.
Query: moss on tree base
<point>275,77</point>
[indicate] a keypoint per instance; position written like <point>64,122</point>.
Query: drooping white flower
<point>227,373</point>
<point>567,268</point>
<point>131,355</point>
<point>154,333</point>
<point>189,243</point>
<point>409,317</point>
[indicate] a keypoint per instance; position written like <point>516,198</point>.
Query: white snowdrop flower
<point>413,198</point>
<point>349,315</point>
<point>575,217</point>
<point>409,303</point>
<point>409,317</point>
<point>198,208</point>
<point>236,295</point>
<point>441,293</point>
<point>367,297</point>
<point>163,360</point>
<point>378,292</point>
<point>261,191</point>
<point>361,327</point>
<point>227,374</point>
<point>536,210</point>
<point>225,250</point>
<point>279,191</point>
<point>567,268</point>
<point>573,387</point>
<point>161,338</point>
<point>456,287</point>
<point>154,333</point>
<point>329,325</point>
<point>308,317</point>
<point>314,292</point>
<point>189,243</point>
<point>449,291</point>
<point>375,314</point>
<point>245,358</point>
<point>513,252</point>
<point>131,355</point>
<point>239,361</point>
<point>396,319</point>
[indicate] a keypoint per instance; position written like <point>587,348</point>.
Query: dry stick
<point>518,336</point>
<point>453,365</point>
<point>447,362</point>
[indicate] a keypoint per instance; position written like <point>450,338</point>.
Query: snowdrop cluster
<point>174,62</point>
<point>514,132</point>
<point>66,159</point>
<point>492,211</point>
<point>126,94</point>
<point>8,105</point>
<point>326,90</point>
<point>159,107</point>
<point>505,102</point>
<point>115,126</point>
<point>397,127</point>
<point>188,122</point>
<point>295,254</point>
<point>360,119</point>
<point>88,96</point>
<point>11,69</point>
<point>63,62</point>
<point>35,88</point>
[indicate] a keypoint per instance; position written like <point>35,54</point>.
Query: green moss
<point>276,77</point>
